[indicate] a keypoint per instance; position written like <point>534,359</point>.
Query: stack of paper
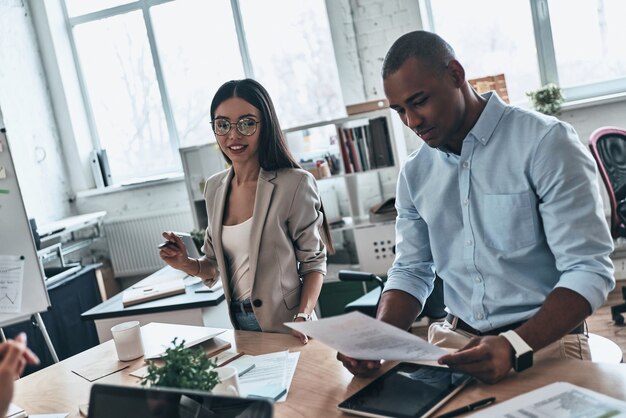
<point>270,377</point>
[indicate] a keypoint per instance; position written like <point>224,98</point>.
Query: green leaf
<point>184,368</point>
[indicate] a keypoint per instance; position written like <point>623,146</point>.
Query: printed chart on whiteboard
<point>11,279</point>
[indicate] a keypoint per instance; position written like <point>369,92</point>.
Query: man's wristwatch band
<point>523,353</point>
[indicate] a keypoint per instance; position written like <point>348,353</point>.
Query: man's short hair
<point>425,46</point>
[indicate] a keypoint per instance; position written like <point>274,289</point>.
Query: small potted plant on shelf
<point>184,368</point>
<point>547,99</point>
<point>197,235</point>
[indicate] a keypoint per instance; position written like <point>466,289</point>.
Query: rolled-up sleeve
<point>572,214</point>
<point>304,223</point>
<point>413,268</point>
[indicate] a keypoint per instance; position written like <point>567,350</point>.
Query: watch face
<point>523,361</point>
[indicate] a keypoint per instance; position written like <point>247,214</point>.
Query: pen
<point>468,408</point>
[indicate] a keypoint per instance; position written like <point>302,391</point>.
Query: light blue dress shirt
<point>516,215</point>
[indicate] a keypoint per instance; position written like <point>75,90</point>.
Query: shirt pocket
<point>509,221</point>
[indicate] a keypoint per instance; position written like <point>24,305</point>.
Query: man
<point>503,204</point>
<point>14,356</point>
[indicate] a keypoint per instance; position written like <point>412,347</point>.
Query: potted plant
<point>184,368</point>
<point>547,99</point>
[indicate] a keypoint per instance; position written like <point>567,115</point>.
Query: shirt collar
<point>489,118</point>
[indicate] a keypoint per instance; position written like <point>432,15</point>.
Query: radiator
<point>133,241</point>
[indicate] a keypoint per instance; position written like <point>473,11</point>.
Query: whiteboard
<point>16,240</point>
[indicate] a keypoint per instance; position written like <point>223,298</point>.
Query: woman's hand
<point>174,252</point>
<point>303,338</point>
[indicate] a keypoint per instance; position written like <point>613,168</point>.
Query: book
<point>354,156</point>
<point>343,147</point>
<point>136,295</point>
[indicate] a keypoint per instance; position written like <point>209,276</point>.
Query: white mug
<point>229,379</point>
<point>128,342</point>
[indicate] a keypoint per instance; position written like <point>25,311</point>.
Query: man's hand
<point>487,358</point>
<point>359,368</point>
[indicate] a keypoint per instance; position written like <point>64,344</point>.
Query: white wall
<point>28,117</point>
<point>362,30</point>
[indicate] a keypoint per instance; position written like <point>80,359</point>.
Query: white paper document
<point>11,279</point>
<point>271,375</point>
<point>363,337</point>
<point>558,400</point>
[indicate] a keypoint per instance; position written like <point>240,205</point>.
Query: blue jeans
<point>245,320</point>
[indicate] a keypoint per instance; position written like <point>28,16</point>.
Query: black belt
<point>244,306</point>
<point>460,324</point>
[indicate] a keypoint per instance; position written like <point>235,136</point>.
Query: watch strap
<point>306,316</point>
<point>519,345</point>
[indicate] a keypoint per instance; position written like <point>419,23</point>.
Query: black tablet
<point>110,401</point>
<point>407,390</point>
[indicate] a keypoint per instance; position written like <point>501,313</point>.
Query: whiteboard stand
<point>14,223</point>
<point>42,327</point>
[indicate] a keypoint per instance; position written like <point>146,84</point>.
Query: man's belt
<point>457,322</point>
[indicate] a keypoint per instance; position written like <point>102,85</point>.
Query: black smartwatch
<point>522,353</point>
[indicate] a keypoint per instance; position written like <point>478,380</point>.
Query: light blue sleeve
<point>565,178</point>
<point>413,269</point>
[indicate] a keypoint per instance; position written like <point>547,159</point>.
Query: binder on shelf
<point>94,162</point>
<point>104,166</point>
<point>381,143</point>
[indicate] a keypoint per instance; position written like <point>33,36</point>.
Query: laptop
<point>110,401</point>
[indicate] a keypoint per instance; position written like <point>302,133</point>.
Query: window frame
<point>546,57</point>
<point>143,6</point>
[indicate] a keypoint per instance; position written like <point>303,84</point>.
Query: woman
<point>266,219</point>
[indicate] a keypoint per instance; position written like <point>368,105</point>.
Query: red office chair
<point>608,147</point>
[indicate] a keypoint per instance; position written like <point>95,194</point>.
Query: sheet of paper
<point>11,279</point>
<point>562,400</point>
<point>363,337</point>
<point>271,375</point>
<point>99,369</point>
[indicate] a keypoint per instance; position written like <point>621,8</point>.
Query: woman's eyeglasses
<point>245,126</point>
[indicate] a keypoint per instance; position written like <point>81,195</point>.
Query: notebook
<point>108,401</point>
<point>141,294</point>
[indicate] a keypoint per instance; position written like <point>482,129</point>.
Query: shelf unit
<point>379,146</point>
<point>378,143</point>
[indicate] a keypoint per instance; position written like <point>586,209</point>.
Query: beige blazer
<point>285,241</point>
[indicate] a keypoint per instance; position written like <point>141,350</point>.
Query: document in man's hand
<point>363,337</point>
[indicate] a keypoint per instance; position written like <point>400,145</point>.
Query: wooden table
<point>319,384</point>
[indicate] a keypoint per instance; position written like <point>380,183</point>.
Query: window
<point>149,68</point>
<point>576,44</point>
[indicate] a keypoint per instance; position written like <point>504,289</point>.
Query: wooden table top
<point>319,384</point>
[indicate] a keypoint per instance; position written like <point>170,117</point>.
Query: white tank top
<point>236,244</point>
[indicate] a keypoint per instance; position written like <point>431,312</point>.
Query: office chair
<point>608,147</point>
<point>368,303</point>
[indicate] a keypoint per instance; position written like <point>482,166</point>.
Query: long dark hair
<point>273,151</point>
